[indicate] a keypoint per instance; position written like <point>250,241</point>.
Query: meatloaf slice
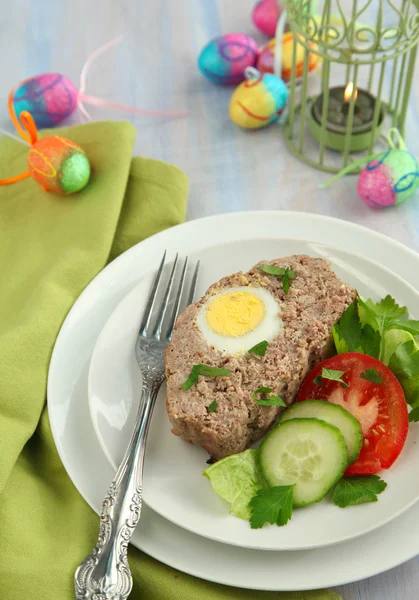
<point>316,300</point>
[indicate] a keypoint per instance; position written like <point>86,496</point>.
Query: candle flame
<point>349,91</point>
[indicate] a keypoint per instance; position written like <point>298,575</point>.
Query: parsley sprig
<point>211,408</point>
<point>372,375</point>
<point>358,490</point>
<point>332,375</point>
<point>270,401</point>
<point>259,349</point>
<point>286,274</point>
<point>271,505</point>
<point>203,370</point>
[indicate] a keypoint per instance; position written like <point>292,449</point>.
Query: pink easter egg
<point>375,186</point>
<point>265,16</point>
<point>50,98</point>
<point>225,59</point>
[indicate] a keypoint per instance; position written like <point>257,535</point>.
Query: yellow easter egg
<point>258,101</point>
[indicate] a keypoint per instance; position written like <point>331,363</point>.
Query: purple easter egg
<point>225,58</point>
<point>50,98</point>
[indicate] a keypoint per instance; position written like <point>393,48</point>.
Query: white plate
<point>91,473</point>
<point>173,482</point>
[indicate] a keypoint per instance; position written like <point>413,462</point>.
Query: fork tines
<point>169,297</point>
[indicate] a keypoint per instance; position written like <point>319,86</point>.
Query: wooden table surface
<point>229,169</point>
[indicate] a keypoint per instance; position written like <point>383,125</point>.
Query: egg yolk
<point>236,313</point>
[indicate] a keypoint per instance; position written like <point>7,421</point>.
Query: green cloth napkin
<point>50,248</point>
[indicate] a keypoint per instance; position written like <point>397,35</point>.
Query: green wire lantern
<point>367,52</point>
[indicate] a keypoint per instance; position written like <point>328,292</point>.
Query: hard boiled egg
<point>238,318</point>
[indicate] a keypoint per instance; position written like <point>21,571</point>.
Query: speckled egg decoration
<point>390,178</point>
<point>224,59</point>
<point>50,98</point>
<point>265,62</point>
<point>258,101</point>
<point>59,165</point>
<point>265,16</point>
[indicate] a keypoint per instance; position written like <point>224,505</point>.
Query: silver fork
<point>105,574</point>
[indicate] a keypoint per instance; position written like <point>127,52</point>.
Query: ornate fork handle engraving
<point>87,576</point>
<point>105,574</point>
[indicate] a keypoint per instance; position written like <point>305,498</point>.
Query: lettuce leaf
<point>405,365</point>
<point>237,480</point>
<point>389,320</point>
<point>393,339</point>
<point>382,330</point>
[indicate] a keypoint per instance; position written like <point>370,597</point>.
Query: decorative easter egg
<point>225,58</point>
<point>50,98</point>
<point>390,178</point>
<point>265,62</point>
<point>59,165</point>
<point>265,16</point>
<point>258,101</point>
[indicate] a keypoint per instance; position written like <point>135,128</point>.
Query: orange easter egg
<point>265,62</point>
<point>59,165</point>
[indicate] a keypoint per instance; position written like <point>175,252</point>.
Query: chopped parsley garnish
<point>261,390</point>
<point>272,270</point>
<point>203,370</point>
<point>212,406</point>
<point>372,375</point>
<point>332,375</point>
<point>286,274</point>
<point>259,349</point>
<point>270,401</point>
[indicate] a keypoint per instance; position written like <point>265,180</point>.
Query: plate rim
<point>173,561</point>
<point>95,360</point>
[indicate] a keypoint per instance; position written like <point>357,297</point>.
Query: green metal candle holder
<point>367,54</point>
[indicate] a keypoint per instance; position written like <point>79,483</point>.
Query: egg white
<point>267,329</point>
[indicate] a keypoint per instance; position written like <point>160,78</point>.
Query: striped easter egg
<point>225,58</point>
<point>50,98</point>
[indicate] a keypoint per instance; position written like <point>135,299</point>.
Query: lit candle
<point>337,117</point>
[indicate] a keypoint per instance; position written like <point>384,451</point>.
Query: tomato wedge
<point>380,408</point>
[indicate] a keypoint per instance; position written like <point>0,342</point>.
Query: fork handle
<point>105,573</point>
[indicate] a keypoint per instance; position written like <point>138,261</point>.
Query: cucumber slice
<point>309,453</point>
<point>333,414</point>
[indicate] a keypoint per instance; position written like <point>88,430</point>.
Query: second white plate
<point>174,486</point>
